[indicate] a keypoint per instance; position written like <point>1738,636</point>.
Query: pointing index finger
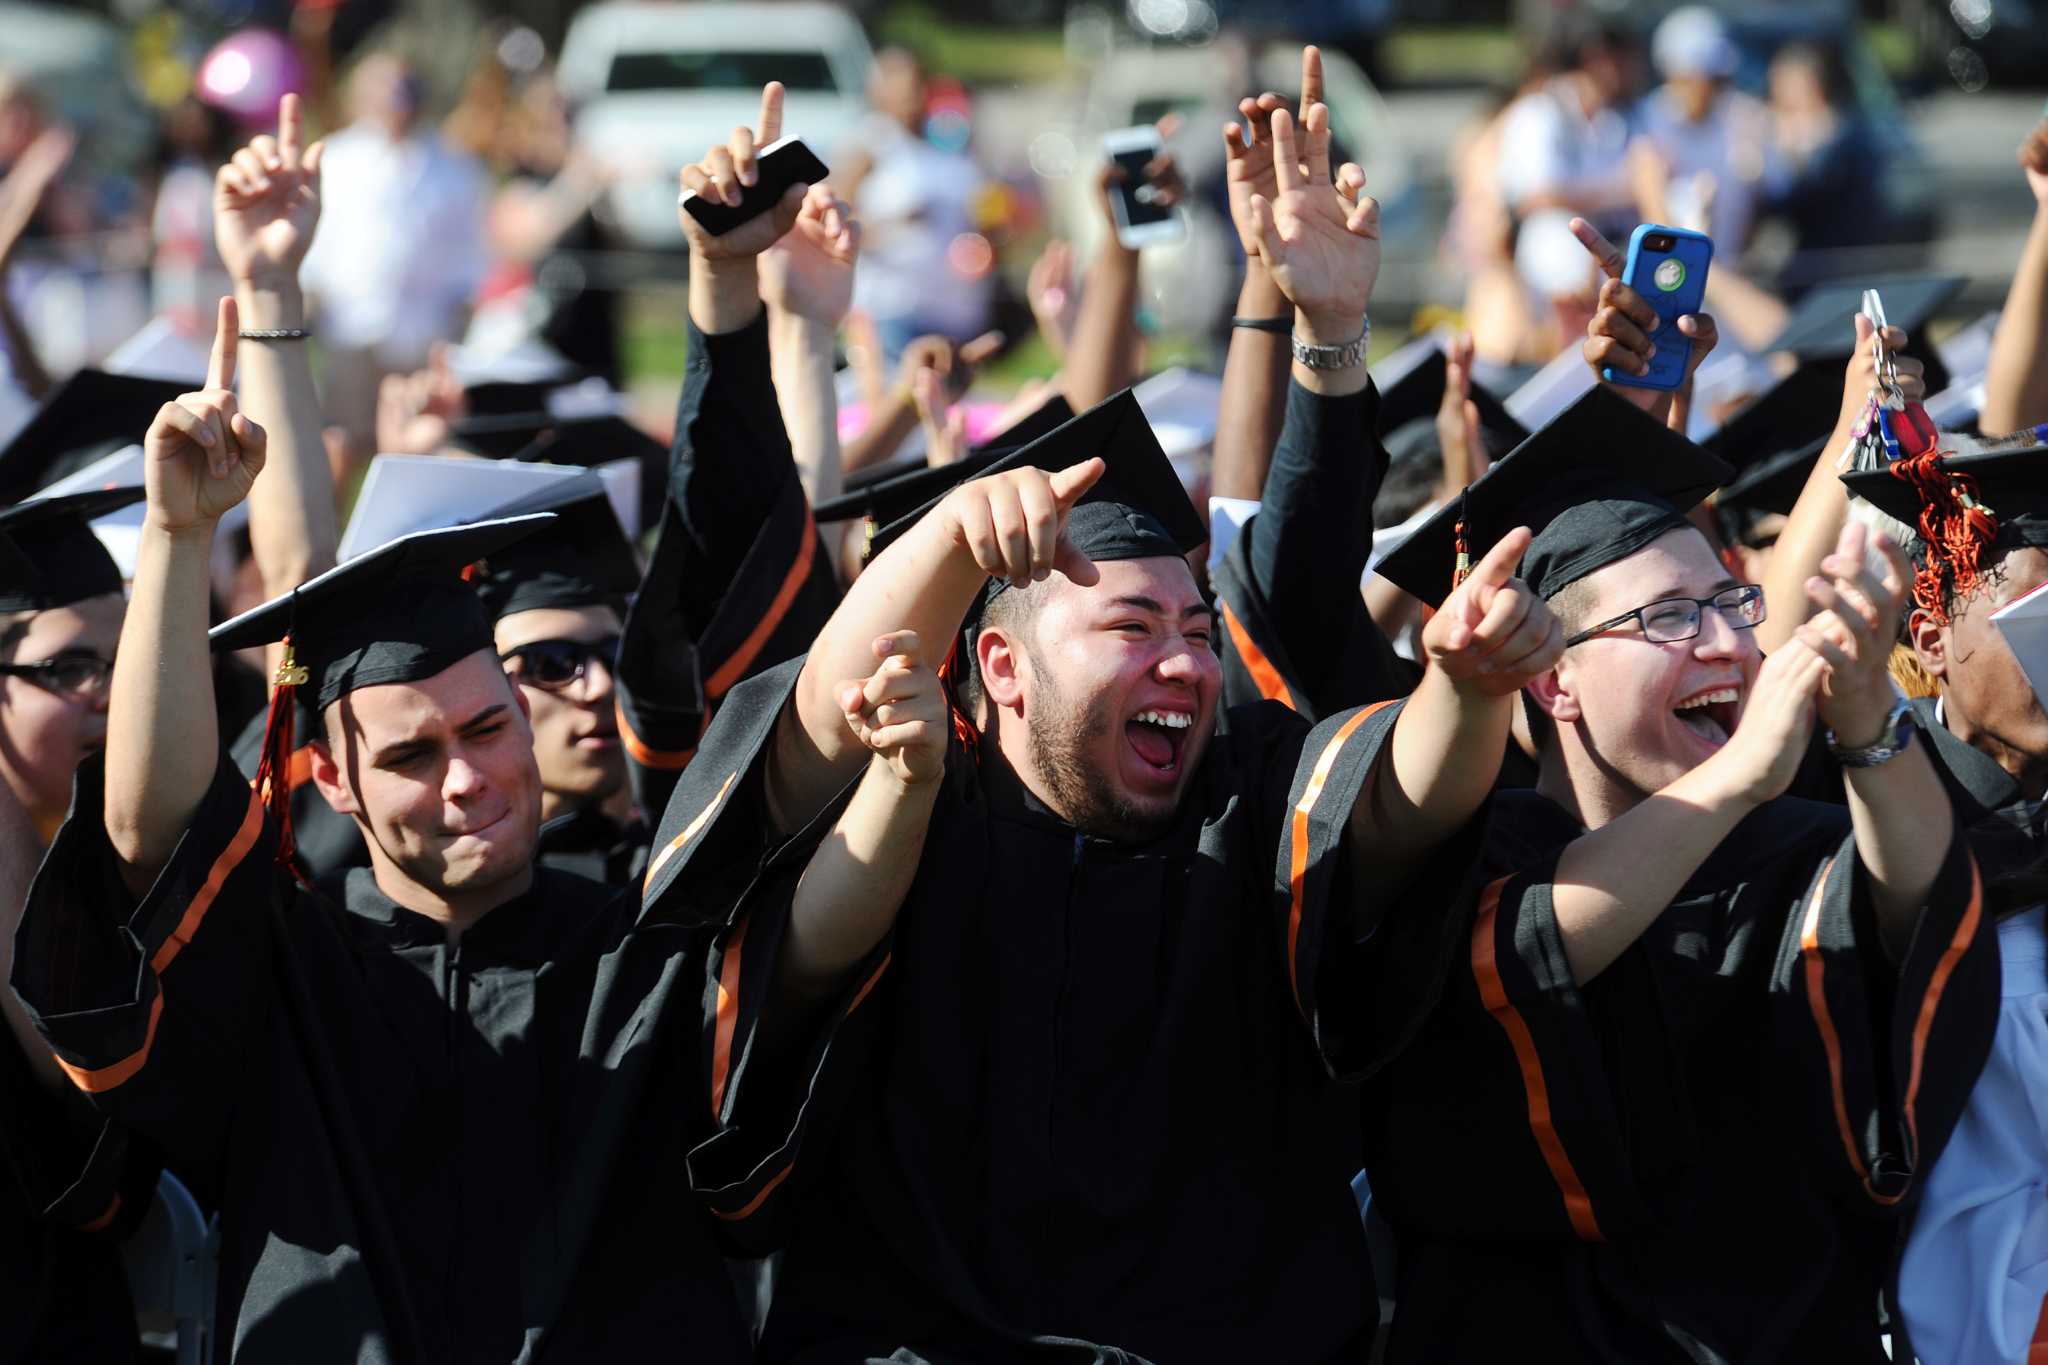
<point>771,113</point>
<point>220,364</point>
<point>288,131</point>
<point>1070,483</point>
<point>1497,566</point>
<point>1603,251</point>
<point>1311,78</point>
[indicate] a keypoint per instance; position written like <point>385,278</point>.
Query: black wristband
<point>1281,326</point>
<point>276,333</point>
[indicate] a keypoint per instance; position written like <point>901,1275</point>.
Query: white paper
<point>402,494</point>
<point>121,531</point>
<point>2024,624</point>
<point>1551,389</point>
<point>161,350</point>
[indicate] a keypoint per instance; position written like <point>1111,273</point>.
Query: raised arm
<point>2016,380</point>
<point>1253,402</point>
<point>21,191</point>
<point>807,286</point>
<point>201,456</point>
<point>1490,636</point>
<point>1618,334</point>
<point>266,204</point>
<point>1008,525</point>
<point>1607,892</point>
<point>1897,806</point>
<point>1822,510</point>
<point>1102,354</point>
<point>855,883</point>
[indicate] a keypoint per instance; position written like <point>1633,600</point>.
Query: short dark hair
<point>1007,610</point>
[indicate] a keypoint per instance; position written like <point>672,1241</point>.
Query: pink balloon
<point>249,73</point>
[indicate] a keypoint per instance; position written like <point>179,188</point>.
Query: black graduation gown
<point>739,581</point>
<point>419,1152</point>
<point>1295,626</point>
<point>591,844</point>
<point>70,1192</point>
<point>1079,1104</point>
<point>1698,1157</point>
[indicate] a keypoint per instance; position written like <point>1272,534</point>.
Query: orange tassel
<point>963,728</point>
<point>273,770</point>
<point>1956,527</point>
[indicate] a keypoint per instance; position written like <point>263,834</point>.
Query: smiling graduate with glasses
<point>1657,1094</point>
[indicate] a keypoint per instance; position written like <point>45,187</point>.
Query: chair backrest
<point>171,1264</point>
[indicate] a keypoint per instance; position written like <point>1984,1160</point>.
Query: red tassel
<point>963,728</point>
<point>273,770</point>
<point>1955,526</point>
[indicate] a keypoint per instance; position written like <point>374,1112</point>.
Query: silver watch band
<point>1335,357</point>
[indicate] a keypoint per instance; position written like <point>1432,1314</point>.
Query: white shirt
<point>913,202</point>
<point>1549,146</point>
<point>400,250</point>
<point>1975,1271</point>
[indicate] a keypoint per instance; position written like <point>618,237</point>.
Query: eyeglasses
<point>77,675</point>
<point>1673,619</point>
<point>556,665</point>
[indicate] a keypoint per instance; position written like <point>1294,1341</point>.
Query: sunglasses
<point>77,675</point>
<point>557,665</point>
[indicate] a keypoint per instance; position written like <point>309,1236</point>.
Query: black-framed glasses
<point>1672,619</point>
<point>557,665</point>
<point>77,675</point>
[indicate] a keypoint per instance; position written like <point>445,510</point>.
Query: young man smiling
<point>427,1096</point>
<point>1705,1037</point>
<point>1098,946</point>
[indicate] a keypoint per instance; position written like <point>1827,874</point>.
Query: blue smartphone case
<point>1674,283</point>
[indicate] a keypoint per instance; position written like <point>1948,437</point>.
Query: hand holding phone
<point>1667,269</point>
<point>778,166</point>
<point>1141,199</point>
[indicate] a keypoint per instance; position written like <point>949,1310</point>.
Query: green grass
<point>978,54</point>
<point>1431,54</point>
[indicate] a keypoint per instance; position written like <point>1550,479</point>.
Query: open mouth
<point>1159,737</point>
<point>1711,714</point>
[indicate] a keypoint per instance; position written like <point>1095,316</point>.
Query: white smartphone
<point>1141,219</point>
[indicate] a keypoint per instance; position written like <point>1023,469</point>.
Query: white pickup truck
<point>655,84</point>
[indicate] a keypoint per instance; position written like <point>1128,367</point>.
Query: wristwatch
<point>1893,740</point>
<point>1334,357</point>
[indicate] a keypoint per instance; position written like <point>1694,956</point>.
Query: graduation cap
<point>1822,323</point>
<point>1792,414</point>
<point>581,559</point>
<point>1411,384</point>
<point>609,442</point>
<point>1966,505</point>
<point>1766,487</point>
<point>1552,389</point>
<point>401,613</point>
<point>1598,483</point>
<point>1137,509</point>
<point>88,416</point>
<point>1046,417</point>
<point>49,556</point>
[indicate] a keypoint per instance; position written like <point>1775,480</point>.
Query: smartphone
<point>1668,267</point>
<point>777,166</point>
<point>1140,218</point>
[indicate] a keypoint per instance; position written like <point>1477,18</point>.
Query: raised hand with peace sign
<point>202,454</point>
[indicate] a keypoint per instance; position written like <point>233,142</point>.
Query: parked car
<point>655,84</point>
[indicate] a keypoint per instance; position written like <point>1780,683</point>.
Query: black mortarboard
<point>1822,325</point>
<point>49,555</point>
<point>591,441</point>
<point>1962,508</point>
<point>1598,483</point>
<point>1793,413</point>
<point>1415,389</point>
<point>2010,484</point>
<point>582,559</point>
<point>500,435</point>
<point>1771,485</point>
<point>400,613</point>
<point>1136,510</point>
<point>89,415</point>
